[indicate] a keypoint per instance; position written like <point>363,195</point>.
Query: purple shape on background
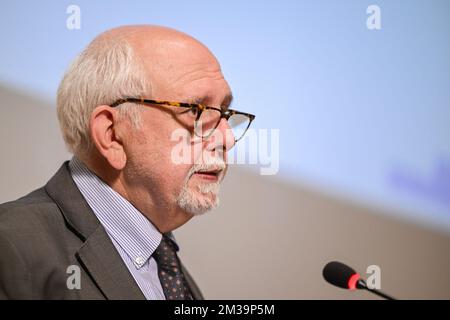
<point>436,187</point>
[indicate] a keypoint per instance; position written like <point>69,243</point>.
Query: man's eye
<point>194,111</point>
<point>191,112</point>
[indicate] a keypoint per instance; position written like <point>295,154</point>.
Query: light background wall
<point>364,136</point>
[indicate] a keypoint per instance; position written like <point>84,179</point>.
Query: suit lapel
<point>97,254</point>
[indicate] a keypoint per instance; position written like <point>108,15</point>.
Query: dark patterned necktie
<point>169,271</point>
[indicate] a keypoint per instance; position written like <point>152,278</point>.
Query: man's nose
<point>221,138</point>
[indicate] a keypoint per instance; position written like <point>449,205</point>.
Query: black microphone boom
<point>342,276</point>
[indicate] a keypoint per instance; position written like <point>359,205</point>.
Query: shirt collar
<point>135,234</point>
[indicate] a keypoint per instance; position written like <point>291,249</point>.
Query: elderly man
<point>144,109</point>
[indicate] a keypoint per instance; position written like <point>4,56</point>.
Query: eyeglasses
<point>206,119</point>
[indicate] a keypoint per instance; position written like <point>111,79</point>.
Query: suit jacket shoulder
<point>50,236</point>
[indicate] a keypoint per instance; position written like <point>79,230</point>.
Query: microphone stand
<point>361,284</point>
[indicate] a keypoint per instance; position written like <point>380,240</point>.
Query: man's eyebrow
<point>199,100</point>
<point>227,101</point>
<point>206,100</point>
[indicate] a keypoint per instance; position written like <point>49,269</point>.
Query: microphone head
<point>341,275</point>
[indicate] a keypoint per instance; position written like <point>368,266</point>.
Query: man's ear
<point>104,134</point>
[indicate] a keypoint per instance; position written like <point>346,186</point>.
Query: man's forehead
<point>178,65</point>
<point>178,62</point>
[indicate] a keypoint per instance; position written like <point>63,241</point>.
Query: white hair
<point>105,71</point>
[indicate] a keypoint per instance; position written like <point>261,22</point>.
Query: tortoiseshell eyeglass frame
<point>199,108</point>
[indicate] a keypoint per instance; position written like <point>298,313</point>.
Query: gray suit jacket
<point>52,228</point>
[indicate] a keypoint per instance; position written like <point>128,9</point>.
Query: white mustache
<point>213,164</point>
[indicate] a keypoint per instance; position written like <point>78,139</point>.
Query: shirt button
<point>139,261</point>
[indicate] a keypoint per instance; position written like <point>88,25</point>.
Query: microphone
<point>343,276</point>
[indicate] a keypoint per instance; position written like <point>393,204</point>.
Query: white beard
<point>206,197</point>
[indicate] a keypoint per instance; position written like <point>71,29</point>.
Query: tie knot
<point>166,251</point>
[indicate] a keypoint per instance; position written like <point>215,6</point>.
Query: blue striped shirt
<point>133,235</point>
